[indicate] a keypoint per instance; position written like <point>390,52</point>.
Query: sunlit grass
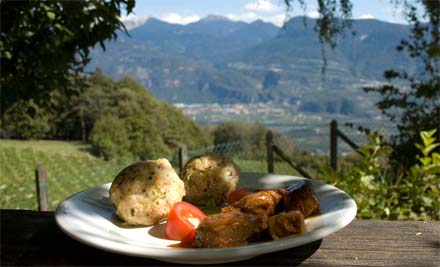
<point>74,148</point>
<point>70,169</point>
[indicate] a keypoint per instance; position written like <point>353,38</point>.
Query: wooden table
<point>33,238</point>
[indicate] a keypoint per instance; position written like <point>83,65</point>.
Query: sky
<point>187,11</point>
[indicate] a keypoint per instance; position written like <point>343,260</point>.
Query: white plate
<point>88,217</point>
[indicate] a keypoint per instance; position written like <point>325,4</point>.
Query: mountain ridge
<point>219,60</point>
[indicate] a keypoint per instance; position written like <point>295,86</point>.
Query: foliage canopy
<point>43,41</point>
<point>411,100</point>
<point>382,191</point>
<point>121,120</point>
<point>250,136</point>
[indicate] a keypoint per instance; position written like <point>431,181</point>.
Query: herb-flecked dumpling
<point>144,192</point>
<point>209,178</point>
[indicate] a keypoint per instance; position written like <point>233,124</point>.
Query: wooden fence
<point>335,133</point>
<point>272,150</point>
<point>183,156</point>
<point>42,189</point>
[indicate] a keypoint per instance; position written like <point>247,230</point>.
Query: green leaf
<point>428,201</point>
<point>46,7</point>
<point>367,181</point>
<point>7,54</point>
<point>427,137</point>
<point>59,26</point>
<point>433,170</point>
<point>420,147</point>
<point>130,6</point>
<point>425,161</point>
<point>387,211</point>
<point>429,148</point>
<point>50,15</point>
<point>436,157</point>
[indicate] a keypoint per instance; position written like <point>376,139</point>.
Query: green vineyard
<point>69,171</point>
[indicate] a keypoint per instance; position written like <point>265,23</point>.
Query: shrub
<point>384,190</point>
<point>25,120</point>
<point>130,123</point>
<point>251,138</point>
<point>109,138</point>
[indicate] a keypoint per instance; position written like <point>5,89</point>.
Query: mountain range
<point>223,61</point>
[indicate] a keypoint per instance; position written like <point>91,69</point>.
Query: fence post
<point>42,189</point>
<point>290,162</point>
<point>269,146</point>
<point>333,144</point>
<point>183,158</point>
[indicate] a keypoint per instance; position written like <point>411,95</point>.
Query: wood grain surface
<point>30,238</point>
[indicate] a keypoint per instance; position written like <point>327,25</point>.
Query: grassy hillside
<point>70,169</point>
<point>74,148</point>
<point>69,166</point>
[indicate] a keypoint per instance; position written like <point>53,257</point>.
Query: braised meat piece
<point>263,203</point>
<point>301,196</point>
<point>229,208</point>
<point>285,224</point>
<point>229,229</point>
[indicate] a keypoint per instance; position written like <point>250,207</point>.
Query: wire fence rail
<point>66,175</point>
<point>35,180</point>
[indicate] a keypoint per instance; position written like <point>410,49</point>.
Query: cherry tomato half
<point>182,222</point>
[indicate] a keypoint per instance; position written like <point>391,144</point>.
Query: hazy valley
<point>217,69</point>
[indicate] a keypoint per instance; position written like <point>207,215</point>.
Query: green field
<point>69,166</point>
<point>70,169</point>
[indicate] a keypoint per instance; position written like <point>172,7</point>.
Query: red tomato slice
<point>238,194</point>
<point>182,222</point>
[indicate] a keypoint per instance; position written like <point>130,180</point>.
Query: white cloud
<point>178,19</point>
<point>132,21</point>
<point>363,37</point>
<point>277,19</point>
<point>262,6</point>
<point>313,14</point>
<point>366,16</point>
<point>247,17</point>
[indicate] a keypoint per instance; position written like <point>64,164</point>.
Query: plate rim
<point>211,255</point>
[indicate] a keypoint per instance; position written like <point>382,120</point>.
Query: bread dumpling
<point>209,178</point>
<point>144,192</point>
